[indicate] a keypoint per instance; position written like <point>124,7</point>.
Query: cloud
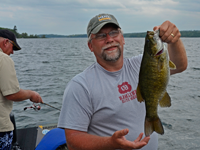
<point>72,16</point>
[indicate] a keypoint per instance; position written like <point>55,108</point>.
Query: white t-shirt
<point>101,102</point>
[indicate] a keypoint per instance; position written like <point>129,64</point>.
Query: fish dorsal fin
<point>139,96</point>
<point>172,65</point>
<point>165,101</point>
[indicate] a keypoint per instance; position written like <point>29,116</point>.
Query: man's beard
<point>112,57</point>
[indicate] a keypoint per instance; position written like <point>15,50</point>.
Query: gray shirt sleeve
<point>76,99</point>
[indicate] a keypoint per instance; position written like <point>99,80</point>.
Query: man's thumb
<point>124,132</point>
<point>156,28</point>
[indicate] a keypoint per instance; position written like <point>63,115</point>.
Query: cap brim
<point>16,47</point>
<point>98,28</point>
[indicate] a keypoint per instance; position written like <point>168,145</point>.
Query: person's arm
<point>170,34</point>
<point>78,140</point>
<point>25,94</point>
<point>178,56</point>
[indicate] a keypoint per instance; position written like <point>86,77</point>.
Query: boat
<point>41,137</point>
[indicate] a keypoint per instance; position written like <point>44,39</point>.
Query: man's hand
<point>169,33</point>
<point>118,140</point>
<point>35,97</point>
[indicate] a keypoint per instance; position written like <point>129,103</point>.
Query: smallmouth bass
<point>153,80</point>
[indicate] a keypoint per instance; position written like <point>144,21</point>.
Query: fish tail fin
<point>153,125</point>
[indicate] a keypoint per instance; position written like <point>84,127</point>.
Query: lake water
<point>46,66</point>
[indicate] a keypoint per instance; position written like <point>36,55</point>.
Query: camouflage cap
<point>97,22</point>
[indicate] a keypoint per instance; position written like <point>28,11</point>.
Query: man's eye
<point>98,36</point>
<point>113,33</point>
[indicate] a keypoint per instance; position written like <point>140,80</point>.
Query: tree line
<point>189,33</point>
<point>23,35</point>
<point>192,33</point>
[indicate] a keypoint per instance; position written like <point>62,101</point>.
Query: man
<point>100,109</point>
<point>9,87</point>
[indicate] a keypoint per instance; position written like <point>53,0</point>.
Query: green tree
<point>15,28</point>
<point>15,32</point>
<point>24,35</point>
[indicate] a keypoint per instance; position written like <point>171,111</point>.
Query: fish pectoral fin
<point>165,101</point>
<point>172,65</point>
<point>139,96</point>
<point>153,125</point>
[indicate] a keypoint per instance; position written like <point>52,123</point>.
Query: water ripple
<point>47,65</point>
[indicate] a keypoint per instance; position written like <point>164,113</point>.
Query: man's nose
<point>109,38</point>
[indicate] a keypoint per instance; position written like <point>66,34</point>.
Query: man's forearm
<point>85,141</point>
<point>177,54</point>
<point>24,95</point>
<point>19,96</point>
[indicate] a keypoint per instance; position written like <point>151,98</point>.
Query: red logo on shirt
<point>124,88</point>
<point>127,94</point>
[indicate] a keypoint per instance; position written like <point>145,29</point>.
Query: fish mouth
<point>160,52</point>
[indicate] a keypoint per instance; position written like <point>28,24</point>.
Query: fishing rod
<point>37,107</point>
<point>50,106</point>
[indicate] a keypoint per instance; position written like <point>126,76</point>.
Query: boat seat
<point>52,140</point>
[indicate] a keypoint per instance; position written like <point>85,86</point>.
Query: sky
<point>67,17</point>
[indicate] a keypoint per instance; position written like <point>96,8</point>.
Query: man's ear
<point>5,42</point>
<point>123,40</point>
<point>90,46</point>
